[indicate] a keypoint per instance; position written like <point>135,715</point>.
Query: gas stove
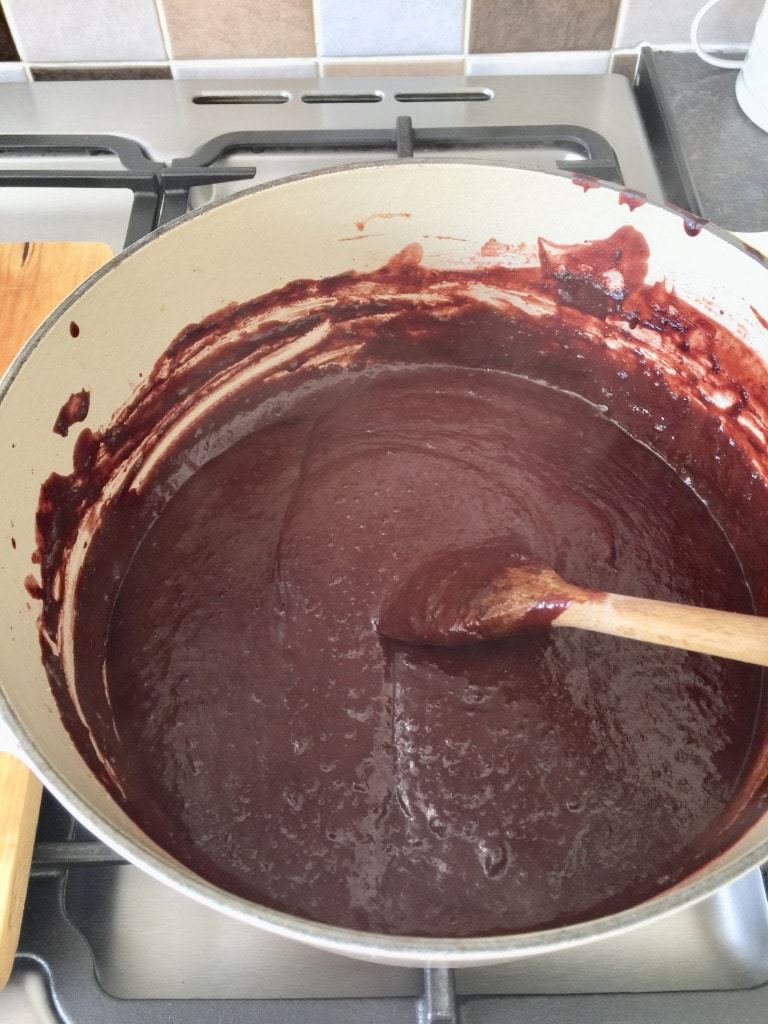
<point>108,161</point>
<point>101,941</point>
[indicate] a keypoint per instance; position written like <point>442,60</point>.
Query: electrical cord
<point>717,62</point>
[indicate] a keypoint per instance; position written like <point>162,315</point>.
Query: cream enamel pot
<point>235,250</point>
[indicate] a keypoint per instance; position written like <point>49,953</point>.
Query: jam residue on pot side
<point>239,703</point>
<point>74,410</point>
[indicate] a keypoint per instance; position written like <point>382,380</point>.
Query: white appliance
<point>752,80</point>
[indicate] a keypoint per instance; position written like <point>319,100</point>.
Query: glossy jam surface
<point>239,700</point>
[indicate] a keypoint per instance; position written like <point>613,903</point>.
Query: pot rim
<point>413,951</point>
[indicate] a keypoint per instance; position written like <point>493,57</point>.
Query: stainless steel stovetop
<point>101,941</point>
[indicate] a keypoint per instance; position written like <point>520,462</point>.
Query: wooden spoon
<point>453,601</point>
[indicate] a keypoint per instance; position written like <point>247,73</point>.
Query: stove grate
<point>161,190</point>
<point>595,156</point>
<point>155,185</point>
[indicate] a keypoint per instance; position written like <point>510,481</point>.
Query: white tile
<point>648,21</point>
<point>85,30</point>
<point>569,62</point>
<point>236,69</point>
<point>375,28</point>
<point>13,71</point>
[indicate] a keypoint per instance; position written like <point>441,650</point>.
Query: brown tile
<point>69,73</point>
<point>7,46</point>
<point>240,28</point>
<point>377,68</point>
<point>514,26</point>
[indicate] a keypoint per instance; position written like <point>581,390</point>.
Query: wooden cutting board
<point>34,278</point>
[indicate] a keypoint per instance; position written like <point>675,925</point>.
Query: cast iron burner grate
<point>154,185</point>
<point>595,155</point>
<point>161,190</point>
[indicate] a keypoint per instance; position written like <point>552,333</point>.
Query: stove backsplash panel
<point>246,39</point>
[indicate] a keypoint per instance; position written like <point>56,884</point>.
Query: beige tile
<point>513,26</point>
<point>375,68</point>
<point>648,21</point>
<point>239,28</point>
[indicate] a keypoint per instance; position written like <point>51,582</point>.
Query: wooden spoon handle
<point>724,634</point>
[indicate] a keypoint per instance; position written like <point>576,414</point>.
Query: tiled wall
<point>45,39</point>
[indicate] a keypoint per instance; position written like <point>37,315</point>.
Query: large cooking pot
<point>237,249</point>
